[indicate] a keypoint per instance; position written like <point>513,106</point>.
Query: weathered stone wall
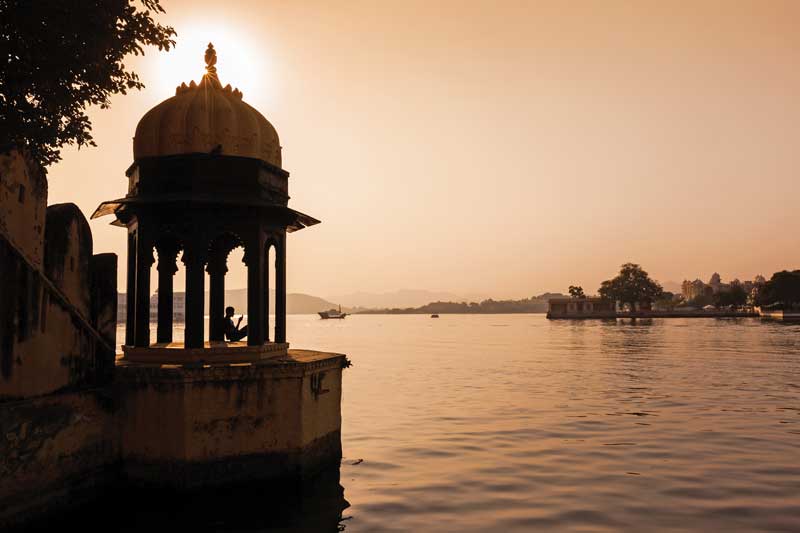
<point>58,435</point>
<point>321,403</point>
<point>68,254</point>
<point>23,200</point>
<point>48,344</point>
<point>54,450</point>
<point>42,350</point>
<point>57,321</point>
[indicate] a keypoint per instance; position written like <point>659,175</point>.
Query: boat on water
<point>332,313</point>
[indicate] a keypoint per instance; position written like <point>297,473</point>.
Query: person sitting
<point>234,333</point>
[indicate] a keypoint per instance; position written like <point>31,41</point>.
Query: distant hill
<point>537,304</point>
<point>401,298</point>
<point>302,304</point>
<point>296,303</point>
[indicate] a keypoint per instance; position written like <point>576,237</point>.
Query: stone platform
<point>213,352</point>
<point>201,424</point>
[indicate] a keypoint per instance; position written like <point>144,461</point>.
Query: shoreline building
<point>691,290</point>
<point>587,307</point>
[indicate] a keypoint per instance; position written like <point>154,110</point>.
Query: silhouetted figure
<point>233,333</point>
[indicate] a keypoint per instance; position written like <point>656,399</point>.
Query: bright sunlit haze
<point>502,149</point>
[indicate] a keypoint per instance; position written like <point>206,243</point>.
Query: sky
<point>496,147</point>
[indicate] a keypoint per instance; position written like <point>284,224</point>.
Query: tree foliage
<point>701,300</point>
<point>631,286</point>
<point>783,288</point>
<point>667,300</point>
<point>576,291</point>
<point>61,56</point>
<point>736,296</point>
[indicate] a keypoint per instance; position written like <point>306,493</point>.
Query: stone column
<point>254,259</point>
<point>130,294</point>
<point>194,257</point>
<point>144,261</point>
<point>167,267</point>
<point>280,290</point>
<point>217,268</point>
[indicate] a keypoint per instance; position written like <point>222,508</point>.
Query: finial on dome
<point>211,60</point>
<point>210,77</point>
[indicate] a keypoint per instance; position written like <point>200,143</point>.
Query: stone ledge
<point>213,352</point>
<point>294,363</point>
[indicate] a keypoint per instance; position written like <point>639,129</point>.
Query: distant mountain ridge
<point>296,303</point>
<point>535,304</point>
<point>402,298</point>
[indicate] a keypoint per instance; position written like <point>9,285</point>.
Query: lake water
<point>517,423</point>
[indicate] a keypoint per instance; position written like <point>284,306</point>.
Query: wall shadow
<point>286,506</point>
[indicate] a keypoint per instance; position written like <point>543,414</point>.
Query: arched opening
<point>179,300</point>
<point>140,287</point>
<point>270,291</point>
<point>130,289</point>
<point>224,265</point>
<point>235,294</point>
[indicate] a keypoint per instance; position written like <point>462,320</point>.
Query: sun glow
<point>240,63</point>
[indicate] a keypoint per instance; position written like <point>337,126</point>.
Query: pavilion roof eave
<point>112,207</point>
<point>106,208</point>
<point>202,156</point>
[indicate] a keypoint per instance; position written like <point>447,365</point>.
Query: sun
<point>240,62</point>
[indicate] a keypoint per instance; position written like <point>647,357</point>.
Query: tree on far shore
<point>631,286</point>
<point>61,56</point>
<point>576,291</point>
<point>783,288</point>
<point>736,296</point>
<point>701,300</point>
<point>667,301</point>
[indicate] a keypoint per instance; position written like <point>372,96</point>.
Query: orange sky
<point>498,147</point>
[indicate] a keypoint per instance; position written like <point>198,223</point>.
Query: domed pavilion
<point>206,177</point>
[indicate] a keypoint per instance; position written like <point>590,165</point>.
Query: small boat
<point>332,313</point>
<point>434,315</point>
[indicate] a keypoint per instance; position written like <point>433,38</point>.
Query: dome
<point>206,117</point>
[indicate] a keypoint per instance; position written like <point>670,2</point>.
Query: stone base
<point>178,427</point>
<point>187,426</point>
<point>290,467</point>
<point>282,505</point>
<point>55,451</point>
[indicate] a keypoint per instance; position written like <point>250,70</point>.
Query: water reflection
<point>286,507</point>
<point>517,423</point>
